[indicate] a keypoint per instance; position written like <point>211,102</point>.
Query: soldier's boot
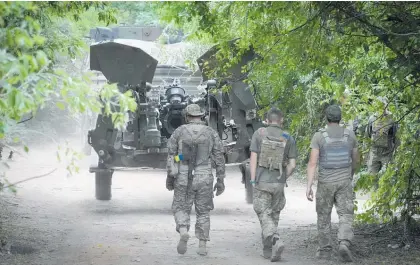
<point>278,248</point>
<point>183,240</point>
<point>345,252</point>
<point>202,250</point>
<point>323,254</point>
<point>267,252</point>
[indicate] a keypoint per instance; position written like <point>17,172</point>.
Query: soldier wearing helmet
<point>336,149</point>
<point>381,130</point>
<point>192,148</point>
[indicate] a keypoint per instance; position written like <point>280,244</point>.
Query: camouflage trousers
<point>269,200</point>
<point>378,159</point>
<point>201,195</point>
<point>338,194</point>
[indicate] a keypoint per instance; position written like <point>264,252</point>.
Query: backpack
<point>380,131</point>
<point>272,151</point>
<point>195,144</point>
<point>335,153</point>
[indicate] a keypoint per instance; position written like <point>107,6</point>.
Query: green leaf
<point>26,149</point>
<point>60,105</point>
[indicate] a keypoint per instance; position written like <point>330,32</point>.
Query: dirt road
<point>56,220</point>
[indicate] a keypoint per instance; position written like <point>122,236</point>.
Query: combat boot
<point>202,250</point>
<point>267,252</point>
<point>183,240</point>
<point>345,252</point>
<point>323,254</point>
<point>278,248</point>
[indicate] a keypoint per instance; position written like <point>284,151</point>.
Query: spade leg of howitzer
<point>103,183</point>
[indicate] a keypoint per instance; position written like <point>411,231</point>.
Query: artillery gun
<point>162,91</point>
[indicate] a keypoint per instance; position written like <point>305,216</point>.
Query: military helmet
<point>333,113</point>
<point>193,110</point>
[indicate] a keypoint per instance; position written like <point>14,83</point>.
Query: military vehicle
<point>162,86</point>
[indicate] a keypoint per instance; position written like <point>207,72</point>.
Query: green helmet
<point>194,110</point>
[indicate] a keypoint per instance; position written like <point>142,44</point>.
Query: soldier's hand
<point>170,182</point>
<point>309,194</point>
<point>220,187</point>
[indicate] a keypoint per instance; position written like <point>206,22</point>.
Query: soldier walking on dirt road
<point>336,149</point>
<point>273,159</point>
<point>191,150</point>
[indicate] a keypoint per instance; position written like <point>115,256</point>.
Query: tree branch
<point>377,31</point>
<point>408,112</point>
<point>31,178</point>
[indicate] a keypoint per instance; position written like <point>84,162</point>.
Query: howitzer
<point>162,86</point>
<point>239,108</point>
<point>161,91</point>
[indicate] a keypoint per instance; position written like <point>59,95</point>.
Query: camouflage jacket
<point>205,157</point>
<point>391,134</point>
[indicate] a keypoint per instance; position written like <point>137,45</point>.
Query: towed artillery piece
<point>160,108</point>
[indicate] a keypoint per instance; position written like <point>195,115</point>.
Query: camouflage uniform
<point>380,154</point>
<point>269,198</point>
<point>201,190</point>
<point>340,194</point>
<point>335,145</point>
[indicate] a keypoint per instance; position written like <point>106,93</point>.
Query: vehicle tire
<point>103,183</point>
<point>213,121</point>
<point>249,189</point>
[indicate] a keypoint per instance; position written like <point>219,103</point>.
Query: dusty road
<point>56,220</point>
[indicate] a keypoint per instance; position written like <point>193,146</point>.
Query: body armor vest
<point>272,151</point>
<point>335,152</point>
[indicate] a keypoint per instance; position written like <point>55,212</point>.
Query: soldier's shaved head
<point>274,115</point>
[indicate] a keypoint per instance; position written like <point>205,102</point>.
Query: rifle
<point>191,157</point>
<point>189,151</point>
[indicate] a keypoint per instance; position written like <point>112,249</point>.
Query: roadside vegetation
<point>310,54</point>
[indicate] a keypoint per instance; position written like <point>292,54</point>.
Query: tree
<point>33,43</point>
<point>310,53</point>
<point>33,37</point>
<point>136,13</point>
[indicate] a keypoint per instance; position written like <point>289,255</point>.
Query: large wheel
<point>212,122</point>
<point>103,183</point>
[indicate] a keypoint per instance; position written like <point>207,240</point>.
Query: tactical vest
<point>272,151</point>
<point>380,130</point>
<point>196,136</point>
<point>336,152</point>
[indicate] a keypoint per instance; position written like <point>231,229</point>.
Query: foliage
<point>145,14</point>
<point>36,38</point>
<point>310,53</point>
<point>136,13</point>
<point>28,74</point>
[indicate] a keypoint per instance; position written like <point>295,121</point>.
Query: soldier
<point>336,148</point>
<point>272,161</point>
<point>191,150</point>
<point>381,130</point>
